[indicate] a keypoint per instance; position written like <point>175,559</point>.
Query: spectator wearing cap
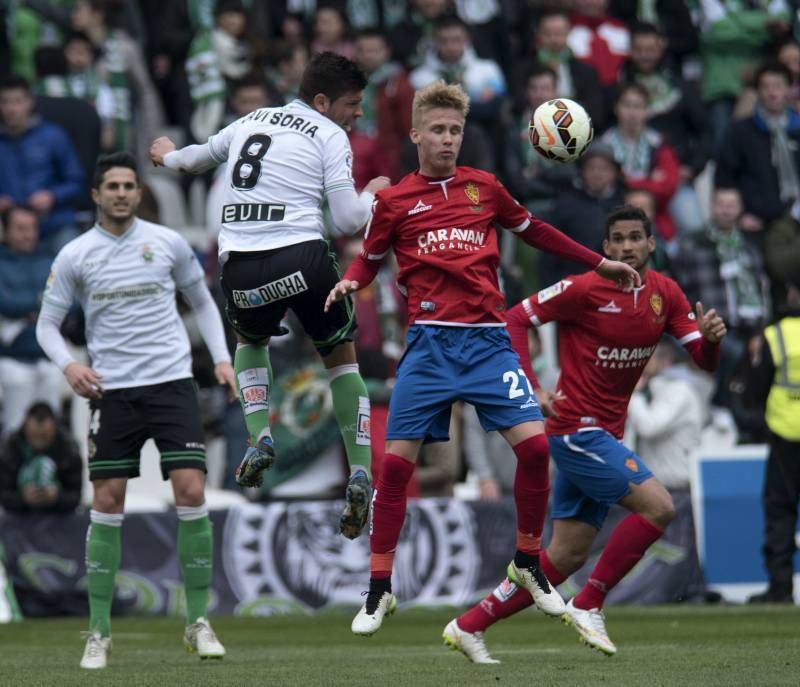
<point>580,211</point>
<point>41,470</point>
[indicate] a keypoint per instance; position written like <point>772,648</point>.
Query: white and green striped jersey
<point>281,162</point>
<point>126,286</point>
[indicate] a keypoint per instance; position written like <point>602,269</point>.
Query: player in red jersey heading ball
<point>605,339</point>
<point>441,223</point>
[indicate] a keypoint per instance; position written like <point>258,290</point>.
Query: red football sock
<point>625,548</point>
<point>553,575</point>
<point>531,489</point>
<point>388,513</point>
<point>504,601</point>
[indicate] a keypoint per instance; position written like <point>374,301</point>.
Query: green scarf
<point>122,113</point>
<point>742,288</point>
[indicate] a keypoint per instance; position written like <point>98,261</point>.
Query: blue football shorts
<point>442,365</point>
<point>594,472</point>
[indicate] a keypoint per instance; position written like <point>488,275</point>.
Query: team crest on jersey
<point>147,253</point>
<point>51,278</point>
<point>632,465</point>
<point>472,193</point>
<point>552,291</point>
<point>656,303</point>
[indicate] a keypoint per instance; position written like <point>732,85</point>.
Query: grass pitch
<point>667,645</point>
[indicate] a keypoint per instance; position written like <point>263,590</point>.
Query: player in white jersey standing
<point>282,162</point>
<point>124,272</point>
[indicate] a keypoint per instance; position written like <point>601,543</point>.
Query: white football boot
<point>370,618</point>
<point>470,644</point>
<point>591,627</point>
<point>95,654</point>
<point>544,594</point>
<point>200,637</point>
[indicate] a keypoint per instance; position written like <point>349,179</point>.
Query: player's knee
<point>662,511</point>
<point>190,493</point>
<point>108,500</point>
<point>534,449</point>
<point>567,559</point>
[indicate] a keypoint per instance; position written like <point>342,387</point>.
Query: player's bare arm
<point>626,276</point>
<point>83,380</point>
<point>223,372</point>
<point>711,325</point>
<point>159,148</point>
<point>548,399</point>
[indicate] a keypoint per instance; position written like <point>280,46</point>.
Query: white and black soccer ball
<point>560,129</point>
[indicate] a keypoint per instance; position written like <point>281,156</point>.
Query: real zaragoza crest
<point>472,193</point>
<point>656,303</point>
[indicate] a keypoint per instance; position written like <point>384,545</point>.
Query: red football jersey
<point>444,238</point>
<point>606,337</point>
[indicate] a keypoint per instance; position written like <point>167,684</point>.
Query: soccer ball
<point>560,130</point>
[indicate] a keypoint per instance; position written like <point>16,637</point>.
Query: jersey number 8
<point>248,167</point>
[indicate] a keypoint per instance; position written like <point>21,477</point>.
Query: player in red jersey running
<point>605,339</point>
<point>441,223</point>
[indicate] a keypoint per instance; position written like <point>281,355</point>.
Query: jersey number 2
<point>248,167</point>
<point>513,377</point>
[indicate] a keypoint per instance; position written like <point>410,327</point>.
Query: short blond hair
<point>439,94</point>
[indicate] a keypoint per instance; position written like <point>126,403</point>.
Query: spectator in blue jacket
<point>38,165</point>
<point>26,375</point>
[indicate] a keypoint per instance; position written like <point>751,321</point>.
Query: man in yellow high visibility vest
<point>776,376</point>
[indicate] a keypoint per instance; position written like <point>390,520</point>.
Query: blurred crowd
<point>696,109</point>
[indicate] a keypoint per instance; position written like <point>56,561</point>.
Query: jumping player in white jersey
<point>282,163</point>
<point>124,272</point>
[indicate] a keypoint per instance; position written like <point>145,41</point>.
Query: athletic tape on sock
<point>192,512</point>
<point>110,519</point>
<point>339,370</point>
<point>254,389</point>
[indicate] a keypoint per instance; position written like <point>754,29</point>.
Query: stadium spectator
<point>26,375</point>
<point>331,32</point>
<point>673,18</point>
<point>534,179</point>
<point>138,113</point>
<point>576,79</point>
<point>580,211</point>
<point>717,267</point>
<point>644,200</point>
<point>39,167</point>
<point>788,54</point>
<point>413,39</point>
<point>229,39</point>
<point>782,251</point>
<point>667,414</point>
<point>647,161</point>
<point>285,69</point>
<point>387,98</point>
<point>41,470</point>
<point>760,155</point>
<point>676,111</point>
<point>598,39</point>
<point>775,379</point>
<point>454,60</point>
<point>733,38</point>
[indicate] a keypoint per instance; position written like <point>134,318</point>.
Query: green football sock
<point>102,561</point>
<point>351,409</point>
<point>253,382</point>
<point>196,554</point>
